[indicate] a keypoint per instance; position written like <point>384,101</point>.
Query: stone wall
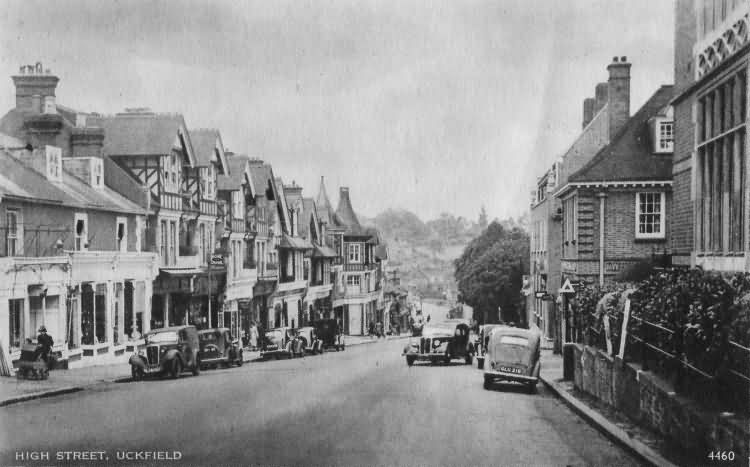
<point>652,402</point>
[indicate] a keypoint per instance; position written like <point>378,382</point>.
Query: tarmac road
<point>360,407</point>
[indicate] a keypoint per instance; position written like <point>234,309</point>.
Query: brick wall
<point>681,218</point>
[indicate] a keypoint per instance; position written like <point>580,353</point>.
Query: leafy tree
<point>490,271</point>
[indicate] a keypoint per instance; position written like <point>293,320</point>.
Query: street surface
<point>360,407</point>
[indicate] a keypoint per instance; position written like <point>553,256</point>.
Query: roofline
<point>612,184</point>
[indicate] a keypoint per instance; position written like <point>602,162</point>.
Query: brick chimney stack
<point>600,96</point>
<point>86,142</point>
<point>588,111</point>
<point>618,93</point>
<point>34,87</point>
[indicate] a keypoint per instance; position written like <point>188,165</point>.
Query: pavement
<point>641,442</point>
<point>364,406</point>
<point>13,390</point>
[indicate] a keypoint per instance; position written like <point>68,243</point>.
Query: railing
<point>356,267</point>
<point>238,225</point>
<point>208,207</point>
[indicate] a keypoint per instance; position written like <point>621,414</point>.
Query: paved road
<point>360,407</point>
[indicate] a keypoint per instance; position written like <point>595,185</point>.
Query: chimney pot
<point>614,59</point>
<point>623,59</point>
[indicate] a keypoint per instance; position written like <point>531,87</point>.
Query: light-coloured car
<point>513,355</point>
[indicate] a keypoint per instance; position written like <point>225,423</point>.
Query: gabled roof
<point>629,156</point>
<point>144,134</point>
<point>281,202</point>
<point>309,213</point>
<point>239,173</point>
<point>261,176</point>
<point>19,180</point>
<point>208,148</point>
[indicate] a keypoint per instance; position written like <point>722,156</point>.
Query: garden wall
<point>652,402</point>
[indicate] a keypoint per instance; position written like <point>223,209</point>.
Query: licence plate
<point>508,369</point>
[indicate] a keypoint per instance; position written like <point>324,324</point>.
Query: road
<point>363,406</point>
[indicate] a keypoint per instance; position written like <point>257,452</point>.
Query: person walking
<point>253,336</point>
<point>44,342</point>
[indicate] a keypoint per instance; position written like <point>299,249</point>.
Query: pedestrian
<point>44,344</point>
<point>253,336</point>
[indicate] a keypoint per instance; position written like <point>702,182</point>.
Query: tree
<point>490,272</point>
<point>482,218</point>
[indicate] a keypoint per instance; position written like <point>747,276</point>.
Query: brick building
<point>710,223</point>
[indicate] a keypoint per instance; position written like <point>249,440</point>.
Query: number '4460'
<point>721,455</point>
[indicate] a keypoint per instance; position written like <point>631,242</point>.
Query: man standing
<point>45,343</point>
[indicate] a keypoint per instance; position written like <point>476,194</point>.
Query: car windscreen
<point>438,329</point>
<point>208,337</point>
<point>514,340</point>
<point>273,334</point>
<point>160,337</point>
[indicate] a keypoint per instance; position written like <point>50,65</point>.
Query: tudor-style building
<point>317,302</point>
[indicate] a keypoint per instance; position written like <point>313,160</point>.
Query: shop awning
<point>294,243</point>
<point>184,272</point>
<point>324,252</point>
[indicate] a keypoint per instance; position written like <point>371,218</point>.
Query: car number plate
<point>508,369</point>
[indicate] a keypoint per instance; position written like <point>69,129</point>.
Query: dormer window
<point>54,163</point>
<point>665,140</point>
<point>97,173</point>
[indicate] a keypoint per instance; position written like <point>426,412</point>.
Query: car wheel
<point>480,364</point>
<point>136,372</point>
<point>448,357</point>
<point>176,368</point>
<point>487,382</point>
<point>197,368</point>
<point>410,361</point>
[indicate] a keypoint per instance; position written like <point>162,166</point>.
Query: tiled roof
<point>142,134</point>
<point>261,176</point>
<point>237,165</point>
<point>205,141</point>
<point>323,205</point>
<point>295,243</point>
<point>629,156</point>
<point>23,182</point>
<point>308,209</point>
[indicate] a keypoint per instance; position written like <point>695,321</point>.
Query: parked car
<point>480,344</point>
<point>329,333</point>
<point>513,355</point>
<point>441,342</point>
<point>217,347</point>
<point>170,351</point>
<point>310,341</point>
<point>281,342</point>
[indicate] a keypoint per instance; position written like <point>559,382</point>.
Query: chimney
<point>86,142</point>
<point>588,111</point>
<point>618,92</point>
<point>600,97</point>
<point>33,85</point>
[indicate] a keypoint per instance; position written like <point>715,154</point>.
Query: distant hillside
<point>423,252</point>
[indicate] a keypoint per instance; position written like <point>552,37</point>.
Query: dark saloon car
<point>281,342</point>
<point>329,333</point>
<point>218,348</point>
<point>168,351</point>
<point>441,342</point>
<point>309,340</point>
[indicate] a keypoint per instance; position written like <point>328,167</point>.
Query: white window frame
<point>54,163</point>
<point>84,238</point>
<point>123,247</point>
<point>662,216</point>
<point>354,253</point>
<point>350,280</point>
<point>17,235</point>
<point>660,138</point>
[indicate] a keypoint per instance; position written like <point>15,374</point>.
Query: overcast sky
<point>431,106</point>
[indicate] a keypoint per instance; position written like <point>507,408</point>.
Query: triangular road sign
<point>567,287</point>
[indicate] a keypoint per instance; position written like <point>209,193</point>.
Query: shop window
<point>15,324</point>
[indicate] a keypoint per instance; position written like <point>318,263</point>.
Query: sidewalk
<point>616,426</point>
<point>13,390</point>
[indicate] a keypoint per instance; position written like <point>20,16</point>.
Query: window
<point>666,137</point>
<point>163,243</point>
<point>15,324</point>
<point>81,232</point>
<point>172,241</point>
<point>122,234</point>
<point>13,235</point>
<point>355,253</point>
<point>54,162</point>
<point>649,215</point>
<point>353,280</point>
<point>97,173</point>
<point>721,115</point>
<point>570,225</point>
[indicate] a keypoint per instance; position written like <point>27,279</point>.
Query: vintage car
<point>441,342</point>
<point>168,351</point>
<point>513,355</point>
<point>310,342</point>
<point>218,348</point>
<point>480,344</point>
<point>329,333</point>
<point>281,342</point>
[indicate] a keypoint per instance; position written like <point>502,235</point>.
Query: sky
<point>431,106</point>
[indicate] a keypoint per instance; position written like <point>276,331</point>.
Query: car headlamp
<point>436,343</point>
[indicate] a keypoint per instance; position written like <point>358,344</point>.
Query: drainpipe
<point>602,196</point>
